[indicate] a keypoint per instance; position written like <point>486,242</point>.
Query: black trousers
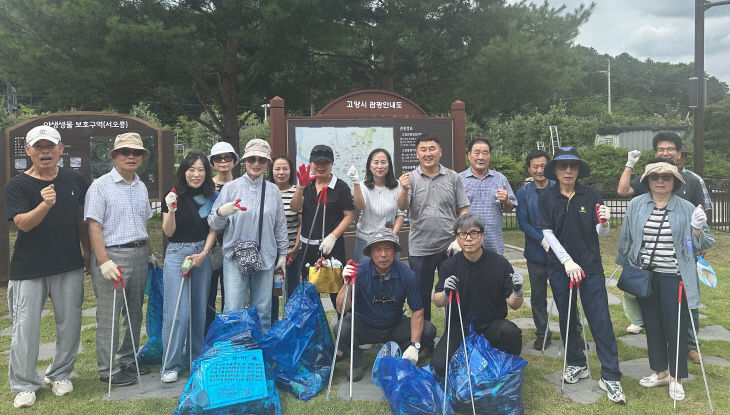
<point>399,333</point>
<point>501,334</point>
<point>660,322</point>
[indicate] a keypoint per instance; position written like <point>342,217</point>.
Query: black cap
<point>321,152</point>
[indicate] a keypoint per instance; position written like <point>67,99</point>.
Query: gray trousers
<point>538,274</point>
<point>133,262</point>
<point>26,299</point>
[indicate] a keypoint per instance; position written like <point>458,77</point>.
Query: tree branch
<point>180,110</point>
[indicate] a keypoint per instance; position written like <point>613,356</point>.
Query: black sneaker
<point>120,378</point>
<point>538,343</point>
<point>132,369</point>
<point>358,365</point>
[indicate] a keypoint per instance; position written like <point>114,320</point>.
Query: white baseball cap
<point>42,132</point>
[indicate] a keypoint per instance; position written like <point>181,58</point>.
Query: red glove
<point>599,216</point>
<point>174,205</point>
<point>304,175</point>
<point>239,206</point>
<point>350,272</point>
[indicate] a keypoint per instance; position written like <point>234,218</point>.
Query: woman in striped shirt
<point>663,232</point>
<point>282,175</point>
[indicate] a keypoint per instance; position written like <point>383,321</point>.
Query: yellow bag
<point>326,279</point>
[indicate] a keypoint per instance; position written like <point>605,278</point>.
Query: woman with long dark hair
<point>377,199</point>
<point>184,222</point>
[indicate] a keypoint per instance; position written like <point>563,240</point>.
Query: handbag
<point>216,256</point>
<point>637,281</point>
<point>326,279</point>
<point>248,253</point>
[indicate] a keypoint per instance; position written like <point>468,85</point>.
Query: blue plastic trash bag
<point>151,352</point>
<point>705,272</point>
<point>299,347</point>
<point>410,389</point>
<point>237,326</point>
<point>231,376</point>
<point>496,378</point>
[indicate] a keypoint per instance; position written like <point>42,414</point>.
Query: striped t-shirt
<point>292,223</point>
<point>664,259</point>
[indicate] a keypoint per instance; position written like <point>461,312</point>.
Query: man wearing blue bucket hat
<point>572,217</point>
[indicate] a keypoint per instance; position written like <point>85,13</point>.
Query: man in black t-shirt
<point>45,203</point>
<point>486,284</point>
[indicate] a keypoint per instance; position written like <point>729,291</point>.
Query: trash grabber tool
<point>699,352</point>
<point>466,353</point>
<point>448,333</point>
<point>547,327</point>
<point>676,359</point>
<point>311,228</point>
<point>337,343</point>
<point>172,325</point>
<point>612,274</point>
<point>131,334</point>
<point>111,342</point>
<point>567,335</point>
<point>352,332</point>
<point>190,321</point>
<point>581,312</point>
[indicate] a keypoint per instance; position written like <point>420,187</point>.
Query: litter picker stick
<point>581,312</point>
<point>337,343</point>
<point>466,352</point>
<point>699,352</point>
<point>448,333</point>
<point>567,335</point>
<point>111,342</point>
<point>131,334</point>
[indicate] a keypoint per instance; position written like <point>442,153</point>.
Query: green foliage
<point>8,120</point>
<point>717,128</point>
<point>142,111</point>
<point>514,170</point>
<point>716,165</point>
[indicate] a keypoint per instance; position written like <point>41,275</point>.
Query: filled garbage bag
<point>237,326</point>
<point>299,347</point>
<point>151,352</point>
<point>410,389</point>
<point>231,376</point>
<point>496,378</point>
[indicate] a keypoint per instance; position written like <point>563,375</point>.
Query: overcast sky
<point>662,30</point>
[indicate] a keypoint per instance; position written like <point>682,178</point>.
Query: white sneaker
<point>59,387</point>
<point>24,399</point>
<point>169,377</point>
<point>676,390</point>
<point>634,329</point>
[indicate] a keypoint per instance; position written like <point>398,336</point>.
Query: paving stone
<point>639,368</point>
<point>44,313</point>
<point>702,316</point>
<point>527,323</point>
<point>715,360</point>
<point>613,300</point>
<point>327,304</point>
<point>88,312</point>
<point>554,349</point>
<point>526,301</point>
<point>363,390</point>
<point>88,326</point>
<point>7,331</point>
<point>586,391</point>
<point>636,340</point>
<point>47,351</point>
<point>152,387</point>
<point>715,332</point>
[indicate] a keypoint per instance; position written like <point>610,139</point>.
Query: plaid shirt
<point>121,208</point>
<point>482,195</point>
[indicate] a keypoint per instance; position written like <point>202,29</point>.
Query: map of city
<point>351,145</point>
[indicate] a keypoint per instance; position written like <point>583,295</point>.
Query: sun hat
<point>381,235</point>
<point>566,153</point>
<point>321,152</point>
<point>42,132</point>
<point>129,140</point>
<point>223,147</point>
<point>662,167</point>
<point>257,147</point>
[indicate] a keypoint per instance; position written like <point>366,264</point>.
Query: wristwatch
<point>417,345</point>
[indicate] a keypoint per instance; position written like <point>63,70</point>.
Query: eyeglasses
<point>383,300</point>
<point>256,159</point>
<point>666,150</point>
<point>126,152</point>
<point>221,159</point>
<point>664,177</point>
<point>563,165</point>
<point>472,234</point>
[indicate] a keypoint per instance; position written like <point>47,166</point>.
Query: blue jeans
<point>248,289</point>
<point>595,306</point>
<point>424,267</point>
<point>291,281</point>
<point>199,281</point>
<point>360,244</point>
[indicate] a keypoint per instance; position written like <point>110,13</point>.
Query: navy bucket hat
<point>567,154</point>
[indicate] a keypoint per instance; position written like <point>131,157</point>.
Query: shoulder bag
<point>637,281</point>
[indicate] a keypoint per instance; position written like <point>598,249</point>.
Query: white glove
<point>634,156</point>
<point>572,269</point>
<point>348,272</point>
<point>604,212</point>
<point>699,217</point>
<point>411,354</point>
<point>454,248</point>
<point>545,245</point>
<point>280,263</point>
<point>153,261</point>
<point>327,244</point>
<point>451,284</point>
<point>352,175</point>
<point>228,209</point>
<point>517,282</point>
<point>109,270</point>
<point>171,201</point>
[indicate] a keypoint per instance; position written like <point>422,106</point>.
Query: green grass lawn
<point>539,395</point>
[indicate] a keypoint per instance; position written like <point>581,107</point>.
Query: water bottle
<point>186,265</point>
<point>278,282</point>
<point>389,223</point>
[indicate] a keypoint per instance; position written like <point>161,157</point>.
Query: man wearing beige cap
<point>45,201</point>
<point>117,209</point>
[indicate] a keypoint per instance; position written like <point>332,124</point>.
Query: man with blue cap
<point>572,217</point>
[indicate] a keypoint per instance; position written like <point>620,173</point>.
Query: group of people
<point>285,224</point>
